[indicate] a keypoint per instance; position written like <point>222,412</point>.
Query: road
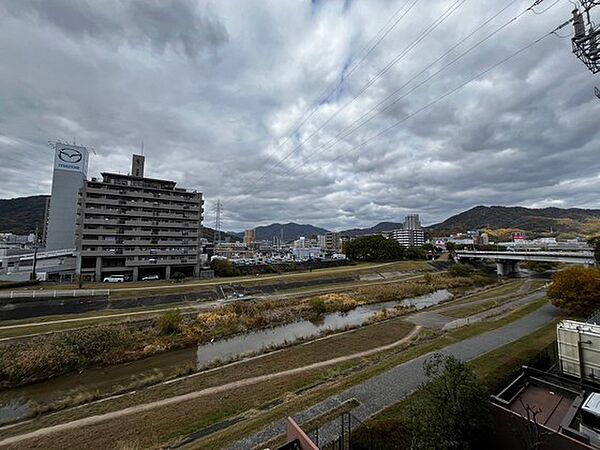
<point>395,384</point>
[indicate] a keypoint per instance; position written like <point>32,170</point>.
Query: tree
<point>451,411</point>
<point>576,290</point>
<point>374,248</point>
<point>595,244</point>
<point>451,247</point>
<point>224,268</point>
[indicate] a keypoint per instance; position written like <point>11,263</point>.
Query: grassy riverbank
<point>51,355</point>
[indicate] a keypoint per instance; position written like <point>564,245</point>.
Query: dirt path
<point>201,393</point>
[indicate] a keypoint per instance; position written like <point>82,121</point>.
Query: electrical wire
<point>447,94</point>
<point>332,87</point>
<point>437,22</point>
<point>346,132</point>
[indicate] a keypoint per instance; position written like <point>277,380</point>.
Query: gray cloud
<point>214,89</point>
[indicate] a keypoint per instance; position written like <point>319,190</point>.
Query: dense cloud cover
<point>215,89</point>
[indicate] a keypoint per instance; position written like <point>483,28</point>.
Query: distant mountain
<point>291,231</point>
<point>537,221</point>
<point>20,215</point>
<point>380,227</point>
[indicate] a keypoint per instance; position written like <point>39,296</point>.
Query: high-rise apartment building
<point>136,226</point>
<point>70,170</point>
<point>333,243</point>
<point>250,237</point>
<point>412,222</point>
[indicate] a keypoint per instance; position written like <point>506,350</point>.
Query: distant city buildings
<point>136,226</point>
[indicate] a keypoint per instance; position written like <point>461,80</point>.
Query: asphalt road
<point>395,384</point>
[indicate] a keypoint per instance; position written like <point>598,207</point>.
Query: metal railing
<point>46,293</point>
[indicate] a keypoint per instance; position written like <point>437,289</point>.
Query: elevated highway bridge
<point>507,262</point>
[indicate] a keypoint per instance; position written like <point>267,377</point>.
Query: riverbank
<point>49,356</point>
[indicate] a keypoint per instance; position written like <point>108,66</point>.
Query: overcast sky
<point>215,90</point>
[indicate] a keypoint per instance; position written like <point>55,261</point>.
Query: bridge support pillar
<point>507,268</point>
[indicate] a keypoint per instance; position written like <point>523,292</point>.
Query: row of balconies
<point>128,192</point>
<point>192,206</point>
<point>191,234</point>
<point>139,252</point>
<point>117,224</point>
<point>137,213</point>
<point>139,242</point>
<point>160,261</point>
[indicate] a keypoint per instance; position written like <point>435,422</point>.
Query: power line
<point>345,133</point>
<point>349,130</point>
<point>449,93</point>
<point>332,87</point>
<point>428,30</point>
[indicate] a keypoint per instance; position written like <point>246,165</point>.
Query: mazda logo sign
<point>70,155</point>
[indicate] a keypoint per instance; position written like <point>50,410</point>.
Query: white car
<point>114,279</point>
<point>151,278</point>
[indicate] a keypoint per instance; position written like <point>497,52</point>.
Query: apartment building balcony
<point>160,262</point>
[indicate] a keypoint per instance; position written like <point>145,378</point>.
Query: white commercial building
<point>408,238</point>
<point>70,170</point>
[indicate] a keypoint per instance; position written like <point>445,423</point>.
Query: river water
<point>16,403</point>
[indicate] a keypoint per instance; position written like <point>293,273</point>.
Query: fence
<point>45,293</point>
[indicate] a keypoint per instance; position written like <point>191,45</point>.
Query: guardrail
<point>45,293</point>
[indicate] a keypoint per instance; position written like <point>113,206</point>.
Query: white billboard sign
<point>71,157</point>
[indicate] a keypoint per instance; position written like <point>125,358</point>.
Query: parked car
<point>115,279</point>
<point>151,278</point>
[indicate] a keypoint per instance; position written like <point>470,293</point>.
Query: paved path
<point>395,384</point>
<point>202,393</point>
<point>437,319</point>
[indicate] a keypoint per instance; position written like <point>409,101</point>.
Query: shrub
<point>460,270</point>
<point>169,322</point>
<point>317,305</point>
<point>178,276</point>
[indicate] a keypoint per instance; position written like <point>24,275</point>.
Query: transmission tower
<point>597,92</point>
<point>217,232</point>
<point>587,35</point>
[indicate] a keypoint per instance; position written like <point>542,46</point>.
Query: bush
<point>317,305</point>
<point>178,276</point>
<point>169,322</point>
<point>460,270</point>
<point>47,356</point>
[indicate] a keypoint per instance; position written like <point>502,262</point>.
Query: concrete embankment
<point>24,308</point>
